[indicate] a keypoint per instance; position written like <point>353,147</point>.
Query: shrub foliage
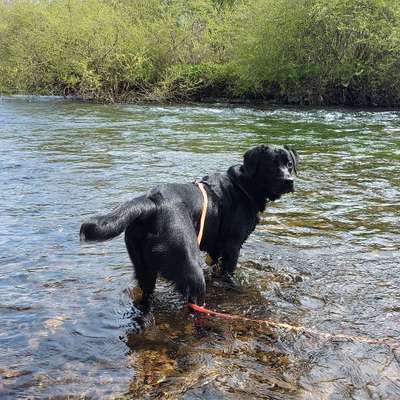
<point>290,51</point>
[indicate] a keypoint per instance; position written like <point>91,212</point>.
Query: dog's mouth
<point>288,186</point>
<point>274,196</point>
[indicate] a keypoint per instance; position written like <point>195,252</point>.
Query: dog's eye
<point>290,165</point>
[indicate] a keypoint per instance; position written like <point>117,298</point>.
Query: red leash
<point>301,329</point>
<point>217,314</point>
<point>208,312</point>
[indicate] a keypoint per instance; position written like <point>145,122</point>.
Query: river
<point>325,257</point>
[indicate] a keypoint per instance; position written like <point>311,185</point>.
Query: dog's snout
<point>289,184</point>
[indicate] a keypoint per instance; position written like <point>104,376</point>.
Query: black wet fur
<point>161,226</point>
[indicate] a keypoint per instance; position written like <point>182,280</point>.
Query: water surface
<point>325,257</point>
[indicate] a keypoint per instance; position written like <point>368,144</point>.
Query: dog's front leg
<point>229,259</point>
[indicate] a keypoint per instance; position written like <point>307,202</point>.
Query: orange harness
<point>203,211</point>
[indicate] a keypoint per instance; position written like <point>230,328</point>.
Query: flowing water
<point>325,258</point>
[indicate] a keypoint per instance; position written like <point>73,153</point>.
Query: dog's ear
<point>294,156</point>
<point>252,158</point>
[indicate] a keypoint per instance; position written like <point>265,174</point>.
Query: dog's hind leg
<point>146,278</point>
<point>166,244</point>
<point>175,252</point>
<point>144,274</point>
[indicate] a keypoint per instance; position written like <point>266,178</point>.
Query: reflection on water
<point>325,257</point>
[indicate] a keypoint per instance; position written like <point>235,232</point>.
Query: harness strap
<point>203,211</point>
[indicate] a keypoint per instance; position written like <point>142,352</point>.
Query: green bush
<point>196,82</point>
<point>291,51</point>
<point>305,51</point>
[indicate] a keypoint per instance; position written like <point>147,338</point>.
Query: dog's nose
<point>289,184</point>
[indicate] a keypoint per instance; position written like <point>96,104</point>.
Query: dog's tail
<point>105,227</point>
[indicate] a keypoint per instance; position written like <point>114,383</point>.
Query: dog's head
<point>272,168</point>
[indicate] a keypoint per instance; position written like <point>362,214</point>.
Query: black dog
<point>161,226</point>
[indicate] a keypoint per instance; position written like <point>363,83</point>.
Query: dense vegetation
<point>288,51</point>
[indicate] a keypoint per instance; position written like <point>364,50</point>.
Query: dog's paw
<point>231,281</point>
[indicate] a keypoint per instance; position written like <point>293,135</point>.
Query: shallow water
<point>325,257</point>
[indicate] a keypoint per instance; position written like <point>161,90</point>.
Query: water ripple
<point>325,257</point>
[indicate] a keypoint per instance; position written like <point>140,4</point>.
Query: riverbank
<point>308,52</point>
